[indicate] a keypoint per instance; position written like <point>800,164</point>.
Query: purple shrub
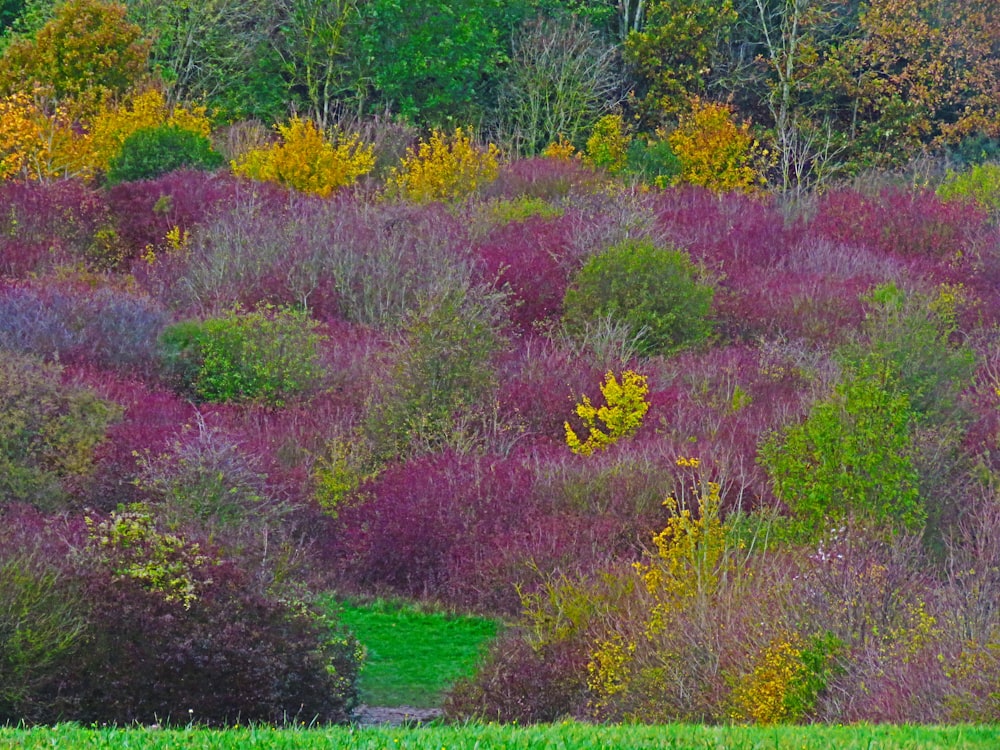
<point>528,258</point>
<point>795,305</point>
<point>106,328</point>
<point>543,178</point>
<point>57,223</point>
<point>540,384</point>
<point>146,210</point>
<point>419,529</point>
<point>902,222</point>
<point>340,258</point>
<point>523,684</point>
<point>733,232</point>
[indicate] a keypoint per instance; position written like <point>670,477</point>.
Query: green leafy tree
<point>224,52</point>
<point>431,61</point>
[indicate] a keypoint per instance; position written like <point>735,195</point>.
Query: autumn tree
<point>674,52</point>
<point>918,73</point>
<point>86,54</point>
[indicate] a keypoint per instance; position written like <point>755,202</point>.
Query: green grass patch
<point>568,736</point>
<point>413,656</point>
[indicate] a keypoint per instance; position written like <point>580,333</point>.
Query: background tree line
<point>831,85</point>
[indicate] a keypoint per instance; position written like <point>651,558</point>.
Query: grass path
<point>568,736</point>
<point>413,656</point>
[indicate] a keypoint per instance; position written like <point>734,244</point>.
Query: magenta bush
<point>529,259</point>
<point>44,225</point>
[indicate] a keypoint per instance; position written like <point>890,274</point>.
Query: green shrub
<point>40,621</point>
<point>853,455</point>
<point>48,431</point>
<point>653,290</point>
<point>150,152</point>
<point>980,185</point>
<point>267,355</point>
<point>439,377</point>
<point>653,162</point>
<point>915,332</point>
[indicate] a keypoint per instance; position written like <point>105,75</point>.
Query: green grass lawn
<point>568,736</point>
<point>413,656</point>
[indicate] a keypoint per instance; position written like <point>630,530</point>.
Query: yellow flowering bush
<point>307,161</point>
<point>762,696</point>
<point>608,144</point>
<point>560,149</point>
<point>161,562</point>
<point>714,151</point>
<point>36,146</point>
<point>445,168</point>
<point>625,406</point>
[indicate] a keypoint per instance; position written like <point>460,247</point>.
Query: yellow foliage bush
<point>690,558</point>
<point>714,151</point>
<point>560,149</point>
<point>307,161</point>
<point>21,136</point>
<point>445,168</point>
<point>608,144</point>
<point>36,146</point>
<point>762,696</point>
<point>625,406</point>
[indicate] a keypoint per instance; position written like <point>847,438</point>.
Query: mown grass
<point>567,736</point>
<point>413,656</point>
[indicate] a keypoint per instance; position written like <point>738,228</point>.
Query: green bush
<point>979,185</point>
<point>852,456</point>
<point>267,356</point>
<point>150,152</point>
<point>653,162</point>
<point>41,620</point>
<point>439,377</point>
<point>653,290</point>
<point>48,431</point>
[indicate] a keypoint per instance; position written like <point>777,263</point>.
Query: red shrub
<point>529,258</point>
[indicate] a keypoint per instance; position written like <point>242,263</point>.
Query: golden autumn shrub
<point>622,414</point>
<point>306,160</point>
<point>445,168</point>
<point>37,146</point>
<point>714,151</point>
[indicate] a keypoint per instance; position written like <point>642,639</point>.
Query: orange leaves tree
<point>919,72</point>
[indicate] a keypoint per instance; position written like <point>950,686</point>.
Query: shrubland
<point>714,450</point>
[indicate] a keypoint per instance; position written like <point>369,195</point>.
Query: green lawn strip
<point>413,657</point>
<point>567,736</point>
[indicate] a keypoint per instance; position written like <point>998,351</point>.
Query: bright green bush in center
<point>151,152</point>
<point>654,290</point>
<point>267,355</point>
